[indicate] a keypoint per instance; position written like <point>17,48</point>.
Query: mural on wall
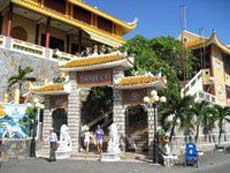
<point>14,122</point>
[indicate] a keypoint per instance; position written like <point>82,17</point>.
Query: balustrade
<point>34,50</point>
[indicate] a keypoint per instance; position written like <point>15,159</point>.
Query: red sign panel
<point>59,101</point>
<point>95,78</point>
<point>134,96</point>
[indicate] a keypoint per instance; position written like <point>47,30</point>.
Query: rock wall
<point>14,149</point>
<point>9,62</point>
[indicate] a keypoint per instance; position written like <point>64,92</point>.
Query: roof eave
<point>68,20</point>
<point>124,63</point>
<point>127,27</point>
<point>157,84</point>
<point>212,40</point>
<point>57,92</point>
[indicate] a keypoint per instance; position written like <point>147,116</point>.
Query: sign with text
<point>95,78</point>
<point>134,96</point>
<point>59,101</point>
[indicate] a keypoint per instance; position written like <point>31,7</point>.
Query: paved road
<point>213,162</point>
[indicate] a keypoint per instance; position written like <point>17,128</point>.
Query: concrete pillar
<point>9,20</point>
<point>118,107</point>
<point>47,42</point>
<point>150,128</point>
<point>74,112</point>
<point>118,112</point>
<point>47,123</point>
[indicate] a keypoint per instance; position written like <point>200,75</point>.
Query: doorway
<point>97,106</point>
<point>136,128</point>
<point>59,118</point>
<point>55,43</point>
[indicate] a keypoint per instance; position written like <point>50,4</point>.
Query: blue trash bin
<point>191,154</point>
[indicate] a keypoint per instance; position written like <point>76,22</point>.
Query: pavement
<point>211,162</point>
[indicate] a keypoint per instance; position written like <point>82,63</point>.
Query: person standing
<point>87,137</point>
<point>52,138</point>
<point>99,138</point>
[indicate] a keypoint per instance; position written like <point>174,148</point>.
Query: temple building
<point>60,31</point>
<point>211,79</point>
<point>69,26</point>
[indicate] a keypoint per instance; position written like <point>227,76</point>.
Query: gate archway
<point>98,71</point>
<point>136,128</point>
<point>59,117</point>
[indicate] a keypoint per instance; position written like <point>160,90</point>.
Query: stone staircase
<point>141,139</point>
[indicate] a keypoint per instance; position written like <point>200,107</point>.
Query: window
<point>57,5</point>
<point>19,33</point>
<point>217,55</point>
<point>105,24</point>
<point>82,14</point>
<point>185,40</point>
<point>55,43</point>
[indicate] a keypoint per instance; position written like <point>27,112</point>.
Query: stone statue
<point>102,49</point>
<point>113,144</point>
<point>65,143</point>
<point>95,50</point>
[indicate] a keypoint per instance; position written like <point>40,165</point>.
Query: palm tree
<point>180,109</point>
<point>222,115</point>
<point>21,77</point>
<point>200,110</point>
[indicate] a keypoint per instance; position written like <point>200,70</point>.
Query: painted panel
<point>14,121</point>
<point>134,96</point>
<point>95,78</point>
<point>60,101</point>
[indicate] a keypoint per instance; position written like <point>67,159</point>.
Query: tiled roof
<point>137,80</point>
<point>91,61</point>
<point>50,87</point>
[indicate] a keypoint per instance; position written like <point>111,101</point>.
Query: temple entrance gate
<point>97,71</point>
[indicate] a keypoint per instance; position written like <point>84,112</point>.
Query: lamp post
<point>152,101</point>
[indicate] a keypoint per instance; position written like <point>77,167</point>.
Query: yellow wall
<point>25,23</point>
<point>218,73</point>
<point>30,27</point>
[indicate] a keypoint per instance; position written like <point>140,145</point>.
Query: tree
<point>222,115</point>
<point>162,55</point>
<point>179,109</point>
<point>201,110</point>
<point>21,77</point>
<point>99,102</point>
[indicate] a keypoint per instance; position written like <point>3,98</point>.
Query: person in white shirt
<point>52,138</point>
<point>87,136</point>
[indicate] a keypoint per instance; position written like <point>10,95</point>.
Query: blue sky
<point>161,17</point>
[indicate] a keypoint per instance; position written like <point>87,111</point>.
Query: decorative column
<point>74,112</point>
<point>150,128</point>
<point>118,112</point>
<point>118,107</point>
<point>9,20</point>
<point>47,43</point>
<point>47,123</point>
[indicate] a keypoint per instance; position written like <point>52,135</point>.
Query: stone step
<point>83,156</point>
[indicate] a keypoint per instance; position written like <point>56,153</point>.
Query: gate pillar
<point>74,111</point>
